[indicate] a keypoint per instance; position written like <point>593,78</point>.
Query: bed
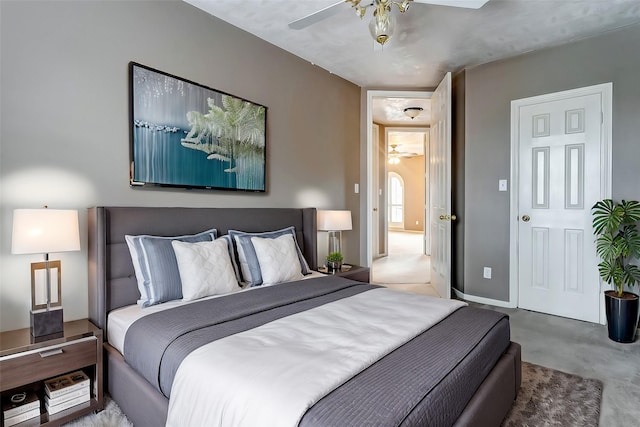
<point>422,382</point>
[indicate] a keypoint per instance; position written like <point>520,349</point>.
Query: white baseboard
<point>482,300</point>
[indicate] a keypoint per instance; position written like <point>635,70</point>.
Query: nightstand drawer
<point>36,365</point>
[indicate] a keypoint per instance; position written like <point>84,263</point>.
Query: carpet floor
<point>552,398</point>
<point>405,261</point>
<point>547,398</point>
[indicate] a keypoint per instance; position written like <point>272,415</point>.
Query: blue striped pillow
<point>156,267</point>
<point>249,265</point>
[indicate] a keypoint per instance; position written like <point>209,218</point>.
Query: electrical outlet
<point>487,273</point>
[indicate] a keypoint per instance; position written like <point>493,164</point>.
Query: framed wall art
<point>184,134</point>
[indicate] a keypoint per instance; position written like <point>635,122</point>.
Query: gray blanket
<point>426,382</point>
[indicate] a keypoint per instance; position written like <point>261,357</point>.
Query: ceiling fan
<point>383,23</point>
<point>394,155</point>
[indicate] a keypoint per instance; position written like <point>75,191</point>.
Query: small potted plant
<point>334,262</point>
<point>617,244</point>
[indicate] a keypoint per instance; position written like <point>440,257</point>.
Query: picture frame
<point>39,284</point>
<point>184,134</point>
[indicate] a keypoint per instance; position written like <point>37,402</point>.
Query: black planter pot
<point>622,316</point>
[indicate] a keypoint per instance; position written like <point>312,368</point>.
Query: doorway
<point>399,192</point>
<point>438,104</point>
<point>561,145</point>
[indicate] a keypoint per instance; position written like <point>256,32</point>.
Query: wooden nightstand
<point>350,271</point>
<point>25,364</point>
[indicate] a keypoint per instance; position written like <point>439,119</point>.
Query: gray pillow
<point>156,267</point>
<point>249,265</point>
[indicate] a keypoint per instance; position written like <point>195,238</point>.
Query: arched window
<point>396,201</point>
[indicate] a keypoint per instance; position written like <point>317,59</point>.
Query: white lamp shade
<point>44,231</point>
<point>334,220</point>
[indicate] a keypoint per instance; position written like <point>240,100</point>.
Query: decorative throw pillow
<point>205,268</point>
<point>155,265</point>
<point>278,259</point>
<point>249,266</point>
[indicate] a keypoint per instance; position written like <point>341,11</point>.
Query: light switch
<point>502,185</point>
<point>356,188</point>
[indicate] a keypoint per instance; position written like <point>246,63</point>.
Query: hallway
<point>405,267</point>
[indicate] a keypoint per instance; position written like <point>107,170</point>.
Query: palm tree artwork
<point>234,134</point>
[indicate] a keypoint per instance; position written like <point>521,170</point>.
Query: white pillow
<point>278,259</point>
<point>205,268</point>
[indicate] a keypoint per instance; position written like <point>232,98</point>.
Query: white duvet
<point>270,375</point>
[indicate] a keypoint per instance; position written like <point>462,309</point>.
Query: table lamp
<point>45,231</point>
<point>335,222</point>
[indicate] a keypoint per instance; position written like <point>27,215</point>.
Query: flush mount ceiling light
<point>412,112</point>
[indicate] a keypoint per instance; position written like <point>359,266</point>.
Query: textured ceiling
<point>429,41</point>
<point>390,111</point>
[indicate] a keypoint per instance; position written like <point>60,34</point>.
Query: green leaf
<point>631,275</point>
<point>631,235</point>
<point>631,210</point>
<point>607,216</point>
<point>608,248</point>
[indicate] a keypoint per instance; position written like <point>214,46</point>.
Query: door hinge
<point>601,116</point>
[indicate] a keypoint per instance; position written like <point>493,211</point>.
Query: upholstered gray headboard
<point>112,281</point>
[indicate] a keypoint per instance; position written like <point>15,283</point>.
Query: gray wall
<point>65,132</point>
<point>613,57</point>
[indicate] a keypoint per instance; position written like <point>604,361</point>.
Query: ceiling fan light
<point>413,112</point>
<point>394,160</point>
<point>404,6</point>
<point>382,27</point>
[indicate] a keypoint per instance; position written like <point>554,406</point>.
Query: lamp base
<point>45,322</point>
<point>334,241</point>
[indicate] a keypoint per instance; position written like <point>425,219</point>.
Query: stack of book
<point>66,391</point>
<point>20,407</point>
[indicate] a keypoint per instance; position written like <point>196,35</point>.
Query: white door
<point>440,187</point>
<point>426,220</point>
<point>378,240</point>
<point>559,147</point>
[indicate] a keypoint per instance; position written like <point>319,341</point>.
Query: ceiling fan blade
<point>315,16</point>
<point>469,4</point>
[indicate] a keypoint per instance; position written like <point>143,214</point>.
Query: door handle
<point>448,217</point>
<point>526,218</point>
<point>375,209</point>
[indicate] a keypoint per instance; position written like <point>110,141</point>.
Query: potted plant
<point>334,262</point>
<point>617,243</point>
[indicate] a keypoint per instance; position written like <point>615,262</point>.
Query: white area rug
<point>111,416</point>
